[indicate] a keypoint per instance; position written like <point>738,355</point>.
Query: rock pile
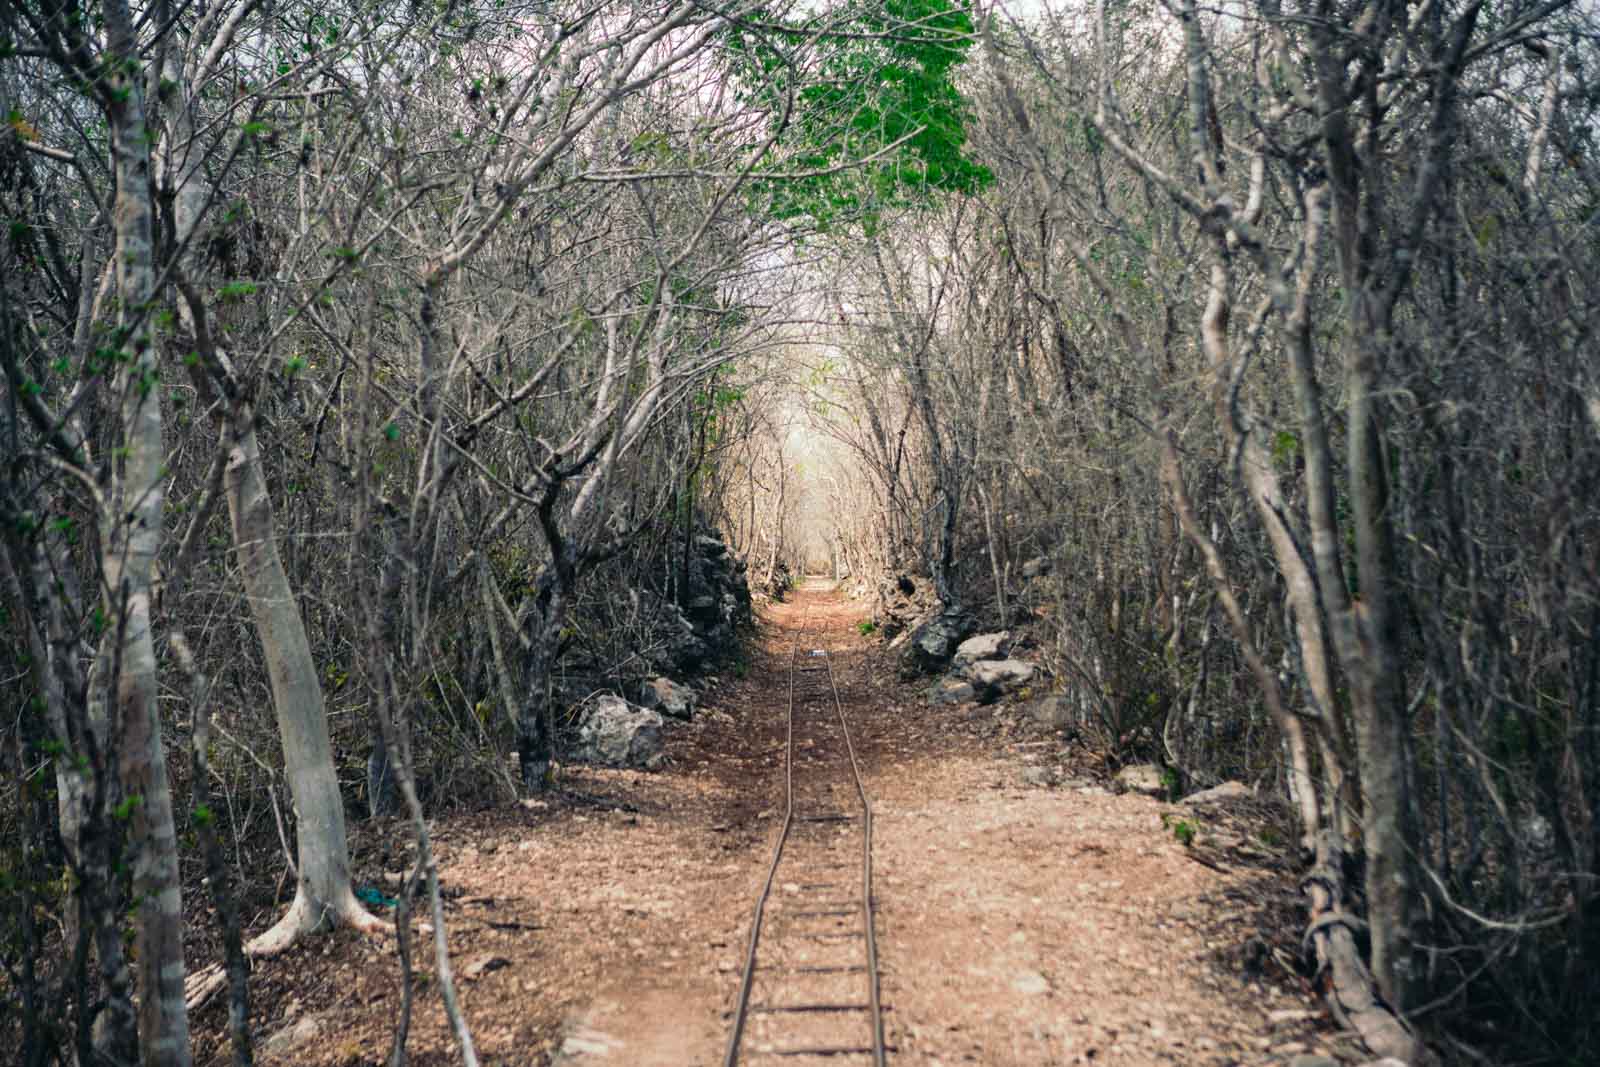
<point>932,644</point>
<point>992,679</point>
<point>705,628</point>
<point>680,640</point>
<point>901,603</point>
<point>982,647</point>
<point>981,669</point>
<point>777,584</point>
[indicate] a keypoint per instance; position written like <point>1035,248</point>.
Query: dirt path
<point>1017,924</point>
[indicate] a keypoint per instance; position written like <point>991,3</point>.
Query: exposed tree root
<point>304,917</point>
<point>1349,988</point>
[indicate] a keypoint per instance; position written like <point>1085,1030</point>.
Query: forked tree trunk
<point>1261,483</point>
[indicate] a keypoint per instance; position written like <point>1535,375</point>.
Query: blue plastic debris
<point>373,898</point>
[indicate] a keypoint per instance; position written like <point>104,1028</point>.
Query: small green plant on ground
<point>1185,830</point>
<point>867,626</point>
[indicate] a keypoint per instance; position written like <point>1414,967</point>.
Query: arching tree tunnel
<point>384,384</point>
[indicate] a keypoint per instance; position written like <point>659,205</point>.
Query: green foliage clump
<point>1185,830</point>
<point>882,90</point>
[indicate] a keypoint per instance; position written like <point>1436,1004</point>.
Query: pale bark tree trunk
<point>1261,483</point>
<point>991,535</point>
<point>323,892</point>
<point>131,527</point>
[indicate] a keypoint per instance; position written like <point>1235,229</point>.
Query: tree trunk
<point>1378,707</point>
<point>323,893</point>
<point>43,581</point>
<point>1261,483</point>
<point>536,751</point>
<point>382,796</point>
<point>1332,936</point>
<point>131,528</point>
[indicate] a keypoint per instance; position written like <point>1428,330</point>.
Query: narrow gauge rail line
<point>813,953</point>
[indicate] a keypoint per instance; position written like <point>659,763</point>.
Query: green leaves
<point>879,91</point>
<point>130,804</point>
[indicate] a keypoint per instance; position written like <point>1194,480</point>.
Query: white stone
<point>1142,778</point>
<point>982,647</point>
<point>1030,983</point>
<point>992,677</point>
<point>617,734</point>
<point>291,1038</point>
<point>1225,791</point>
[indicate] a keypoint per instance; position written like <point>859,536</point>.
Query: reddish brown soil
<point>1017,924</point>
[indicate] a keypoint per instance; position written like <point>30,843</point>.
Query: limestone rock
<point>667,697</point>
<point>1054,712</point>
<point>481,964</point>
<point>993,678</point>
<point>685,649</point>
<point>716,603</point>
<point>981,647</point>
<point>1221,793</point>
<point>1143,778</point>
<point>934,642</point>
<point>952,691</point>
<point>289,1040</point>
<point>618,734</point>
<point>703,610</point>
<point>1041,777</point>
<point>900,604</point>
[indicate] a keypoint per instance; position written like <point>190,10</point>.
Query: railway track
<point>809,992</point>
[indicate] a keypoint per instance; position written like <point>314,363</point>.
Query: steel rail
<point>742,1010</point>
<point>867,924</point>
